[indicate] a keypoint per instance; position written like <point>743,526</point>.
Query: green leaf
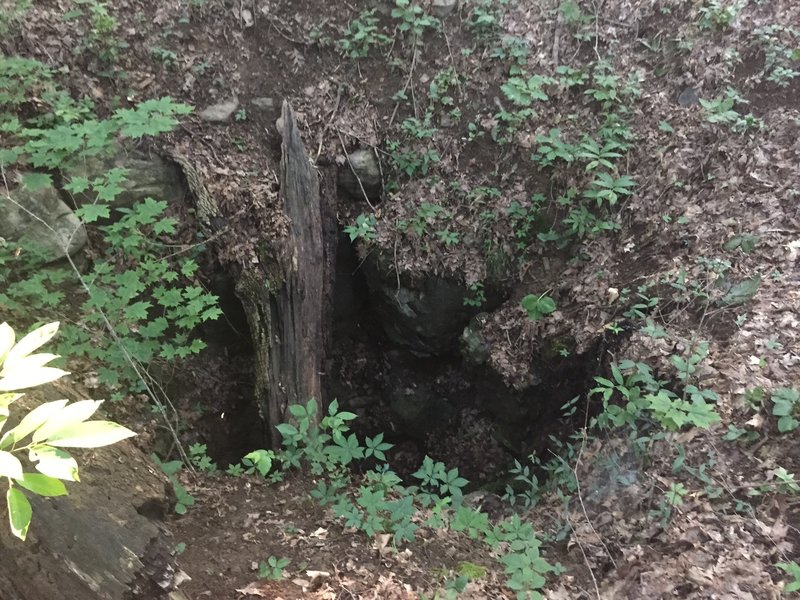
<point>36,181</point>
<point>665,126</point>
<point>538,306</point>
<point>34,340</point>
<point>54,462</point>
<point>32,421</point>
<point>10,465</point>
<point>90,213</point>
<point>91,434</point>
<point>77,412</point>
<point>43,485</point>
<point>19,512</point>
<point>77,185</point>
<point>137,311</point>
<point>742,292</point>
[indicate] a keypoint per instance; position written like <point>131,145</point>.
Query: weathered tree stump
<point>287,294</point>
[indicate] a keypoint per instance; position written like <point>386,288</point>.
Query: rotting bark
<point>287,295</point>
<point>296,354</point>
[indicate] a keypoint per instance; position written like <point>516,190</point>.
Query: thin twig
<point>580,496</point>
<point>407,83</point>
<point>453,62</point>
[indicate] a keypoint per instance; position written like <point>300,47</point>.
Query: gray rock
<point>46,227</point>
<point>361,165</point>
<point>147,176</point>
<point>221,112</point>
<point>425,316</point>
<point>474,348</point>
<point>263,103</point>
<point>442,8</point>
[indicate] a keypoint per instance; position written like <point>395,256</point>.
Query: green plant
<point>419,129</point>
<point>781,53</point>
<point>538,306</point>
<point>364,228</point>
<point>362,34</point>
<point>102,36</point>
<point>13,11</point>
<point>606,187</point>
<point>413,19</point>
<point>528,485</point>
<point>153,306</point>
<point>721,110</point>
<point>436,481</point>
<point>273,568</point>
<point>447,237</point>
<point>643,395</point>
<point>513,48</point>
<point>793,570</point>
<point>576,19</point>
<point>525,220</point>
<point>600,155</point>
<point>551,147</point>
<point>412,162</point>
<point>477,295</point>
<point>167,57</point>
<point>52,426</point>
<point>720,13</point>
<point>785,405</point>
<point>183,499</point>
<point>524,91</point>
<point>198,454</point>
<point>525,567</point>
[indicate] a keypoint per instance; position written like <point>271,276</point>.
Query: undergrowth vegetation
<point>136,305</point>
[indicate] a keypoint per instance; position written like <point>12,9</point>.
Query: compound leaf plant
<point>46,430</point>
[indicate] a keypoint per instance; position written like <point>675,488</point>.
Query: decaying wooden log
<point>287,324</point>
<point>287,295</point>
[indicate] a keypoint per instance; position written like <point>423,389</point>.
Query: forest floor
<point>494,175</point>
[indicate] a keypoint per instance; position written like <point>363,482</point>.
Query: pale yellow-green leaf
<point>27,363</point>
<point>6,340</point>
<point>10,465</point>
<point>20,380</point>
<point>76,412</point>
<point>54,462</point>
<point>35,339</point>
<point>91,434</point>
<point>7,399</point>
<point>41,484</point>
<point>32,421</point>
<point>19,512</point>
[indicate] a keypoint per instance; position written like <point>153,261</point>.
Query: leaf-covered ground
<point>705,101</point>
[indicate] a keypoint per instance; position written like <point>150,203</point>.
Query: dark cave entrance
<point>437,405</point>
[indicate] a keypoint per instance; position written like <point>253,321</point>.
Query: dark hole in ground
<point>457,413</point>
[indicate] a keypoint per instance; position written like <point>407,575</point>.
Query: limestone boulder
<point>147,176</point>
<point>41,224</point>
<point>361,169</point>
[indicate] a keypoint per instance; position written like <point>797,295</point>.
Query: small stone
<point>263,103</point>
<point>442,8</point>
<point>361,169</point>
<point>688,97</point>
<point>219,113</point>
